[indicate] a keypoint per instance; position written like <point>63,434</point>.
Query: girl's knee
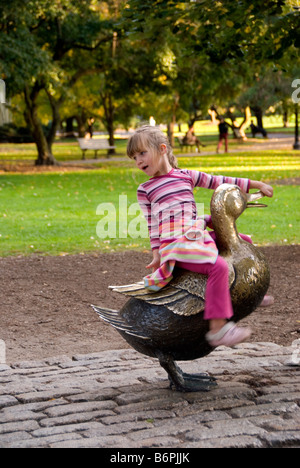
<point>221,266</point>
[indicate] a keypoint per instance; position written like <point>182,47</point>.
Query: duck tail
<point>108,315</point>
<point>113,318</point>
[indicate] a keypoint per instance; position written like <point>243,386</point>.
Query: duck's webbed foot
<point>186,382</point>
<point>194,383</point>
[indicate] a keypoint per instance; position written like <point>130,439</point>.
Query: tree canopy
<point>128,56</point>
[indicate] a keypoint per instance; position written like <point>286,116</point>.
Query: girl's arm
<point>152,223</point>
<point>264,188</point>
<point>152,227</point>
<point>201,179</point>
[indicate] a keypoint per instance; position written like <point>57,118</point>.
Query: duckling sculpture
<point>169,325</point>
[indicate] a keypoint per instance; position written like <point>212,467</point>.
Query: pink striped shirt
<point>168,201</point>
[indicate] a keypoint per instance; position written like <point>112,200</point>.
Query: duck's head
<point>230,201</point>
<point>227,204</point>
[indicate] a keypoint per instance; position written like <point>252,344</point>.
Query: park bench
<point>93,144</point>
<point>184,145</point>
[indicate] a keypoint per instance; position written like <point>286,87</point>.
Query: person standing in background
<point>223,135</point>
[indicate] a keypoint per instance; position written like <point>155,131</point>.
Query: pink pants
<point>217,297</point>
<point>223,136</point>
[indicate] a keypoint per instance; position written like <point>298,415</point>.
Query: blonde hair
<point>148,137</point>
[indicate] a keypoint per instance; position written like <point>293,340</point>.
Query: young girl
<point>177,235</point>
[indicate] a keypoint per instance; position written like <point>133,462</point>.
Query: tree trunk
<point>81,120</point>
<point>109,113</point>
<point>246,122</point>
<point>45,156</point>
<point>171,125</point>
<point>55,106</point>
<point>285,118</point>
<point>170,132</point>
<point>69,126</point>
<point>213,116</point>
<point>111,136</point>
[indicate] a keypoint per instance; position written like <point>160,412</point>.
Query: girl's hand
<point>155,262</point>
<point>154,265</point>
<point>266,189</point>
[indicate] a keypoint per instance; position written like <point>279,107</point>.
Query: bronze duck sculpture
<point>169,325</point>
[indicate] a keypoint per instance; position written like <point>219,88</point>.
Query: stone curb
<point>121,399</point>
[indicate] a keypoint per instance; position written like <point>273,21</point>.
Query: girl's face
<point>151,163</point>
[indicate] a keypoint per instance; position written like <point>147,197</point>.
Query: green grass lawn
<point>61,213</point>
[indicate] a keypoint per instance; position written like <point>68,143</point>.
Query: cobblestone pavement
<point>121,399</point>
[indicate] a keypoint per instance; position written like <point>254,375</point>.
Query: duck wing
<point>117,321</point>
<point>183,296</point>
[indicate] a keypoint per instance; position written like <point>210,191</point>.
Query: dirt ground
<point>45,302</point>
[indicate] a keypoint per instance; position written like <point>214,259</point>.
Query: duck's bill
<point>252,198</point>
<point>256,205</point>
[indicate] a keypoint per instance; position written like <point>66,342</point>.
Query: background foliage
<point>122,61</point>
